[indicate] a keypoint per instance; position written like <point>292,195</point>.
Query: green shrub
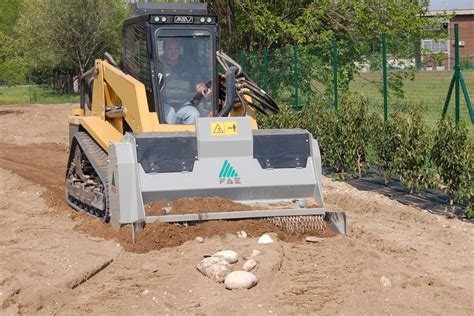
<point>287,118</point>
<point>387,140</point>
<point>469,211</point>
<point>451,155</point>
<point>355,132</point>
<point>411,159</point>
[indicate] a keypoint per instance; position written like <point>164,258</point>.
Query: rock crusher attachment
<point>127,149</point>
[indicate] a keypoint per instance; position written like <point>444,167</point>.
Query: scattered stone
<point>242,234</point>
<point>240,280</point>
<point>255,253</point>
<point>249,265</point>
<point>215,268</point>
<point>229,255</point>
<point>385,281</point>
<point>199,239</point>
<point>167,209</point>
<point>313,239</point>
<point>265,239</point>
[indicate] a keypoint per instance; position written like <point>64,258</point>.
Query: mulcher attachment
<point>225,158</point>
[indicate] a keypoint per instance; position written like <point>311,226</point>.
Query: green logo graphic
<point>228,175</point>
<point>227,171</point>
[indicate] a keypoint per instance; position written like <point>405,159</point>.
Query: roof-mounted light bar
<point>182,19</point>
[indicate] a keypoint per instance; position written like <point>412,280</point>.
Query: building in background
<point>442,51</point>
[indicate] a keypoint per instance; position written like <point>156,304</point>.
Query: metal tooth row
<point>299,224</point>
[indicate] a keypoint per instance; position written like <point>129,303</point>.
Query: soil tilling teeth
<point>299,224</point>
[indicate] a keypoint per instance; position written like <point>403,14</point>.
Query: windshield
<point>185,76</point>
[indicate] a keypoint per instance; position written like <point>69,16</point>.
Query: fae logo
<point>228,175</point>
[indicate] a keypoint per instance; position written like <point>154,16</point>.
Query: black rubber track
<point>98,159</point>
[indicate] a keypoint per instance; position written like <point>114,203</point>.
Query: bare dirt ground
<point>54,260</point>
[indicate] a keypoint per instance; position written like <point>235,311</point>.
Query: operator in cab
<point>183,82</point>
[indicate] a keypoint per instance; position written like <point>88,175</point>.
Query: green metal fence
<point>389,75</point>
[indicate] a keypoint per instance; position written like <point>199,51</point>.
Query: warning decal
<point>224,128</point>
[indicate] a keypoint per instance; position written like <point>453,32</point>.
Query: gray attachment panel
<point>170,152</point>
<point>235,215</point>
<point>338,222</point>
<point>318,173</point>
<point>212,144</point>
<point>275,149</point>
<point>126,202</point>
<point>250,183</point>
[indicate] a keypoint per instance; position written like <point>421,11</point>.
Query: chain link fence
<point>41,89</point>
<point>417,74</point>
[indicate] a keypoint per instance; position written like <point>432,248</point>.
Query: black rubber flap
<point>169,153</point>
<point>281,148</point>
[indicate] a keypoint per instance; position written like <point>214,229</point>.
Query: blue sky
<point>451,4</point>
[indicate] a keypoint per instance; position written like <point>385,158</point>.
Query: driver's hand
<point>203,89</point>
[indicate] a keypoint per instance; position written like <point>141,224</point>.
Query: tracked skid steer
<point>176,119</point>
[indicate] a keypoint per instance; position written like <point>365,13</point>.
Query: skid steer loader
<point>177,119</point>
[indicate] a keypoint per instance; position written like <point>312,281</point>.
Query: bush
<point>354,132</point>
<point>451,155</point>
<point>287,118</point>
<point>411,159</point>
<point>387,140</point>
<point>342,135</point>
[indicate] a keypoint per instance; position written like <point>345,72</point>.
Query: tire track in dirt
<point>41,164</point>
<point>45,165</point>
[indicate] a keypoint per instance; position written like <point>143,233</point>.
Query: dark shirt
<point>181,81</point>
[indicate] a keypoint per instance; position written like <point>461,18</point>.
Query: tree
<point>64,37</point>
<point>11,67</point>
<point>356,25</point>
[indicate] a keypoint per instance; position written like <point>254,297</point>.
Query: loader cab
<point>171,49</point>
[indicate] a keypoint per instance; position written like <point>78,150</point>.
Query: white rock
<point>167,209</point>
<point>242,234</point>
<point>255,253</point>
<point>265,239</point>
<point>215,268</point>
<point>240,280</point>
<point>313,239</point>
<point>229,255</point>
<point>199,239</point>
<point>249,265</point>
<point>385,281</point>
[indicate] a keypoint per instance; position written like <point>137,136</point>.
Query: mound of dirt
<point>195,206</point>
<point>160,235</point>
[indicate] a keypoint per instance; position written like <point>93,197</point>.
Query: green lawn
<point>428,88</point>
<point>33,94</point>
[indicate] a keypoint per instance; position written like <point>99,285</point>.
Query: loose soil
<point>195,206</point>
<point>56,260</point>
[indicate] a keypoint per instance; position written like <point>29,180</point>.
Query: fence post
<point>265,70</point>
<point>457,80</point>
<point>385,79</point>
<point>334,73</point>
<point>295,75</point>
<point>457,69</point>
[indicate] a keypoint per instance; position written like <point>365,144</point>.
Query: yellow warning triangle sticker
<point>218,129</point>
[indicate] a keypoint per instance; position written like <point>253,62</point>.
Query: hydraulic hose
<point>230,92</point>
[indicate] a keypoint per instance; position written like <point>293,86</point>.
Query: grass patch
<point>428,88</point>
<point>34,94</point>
